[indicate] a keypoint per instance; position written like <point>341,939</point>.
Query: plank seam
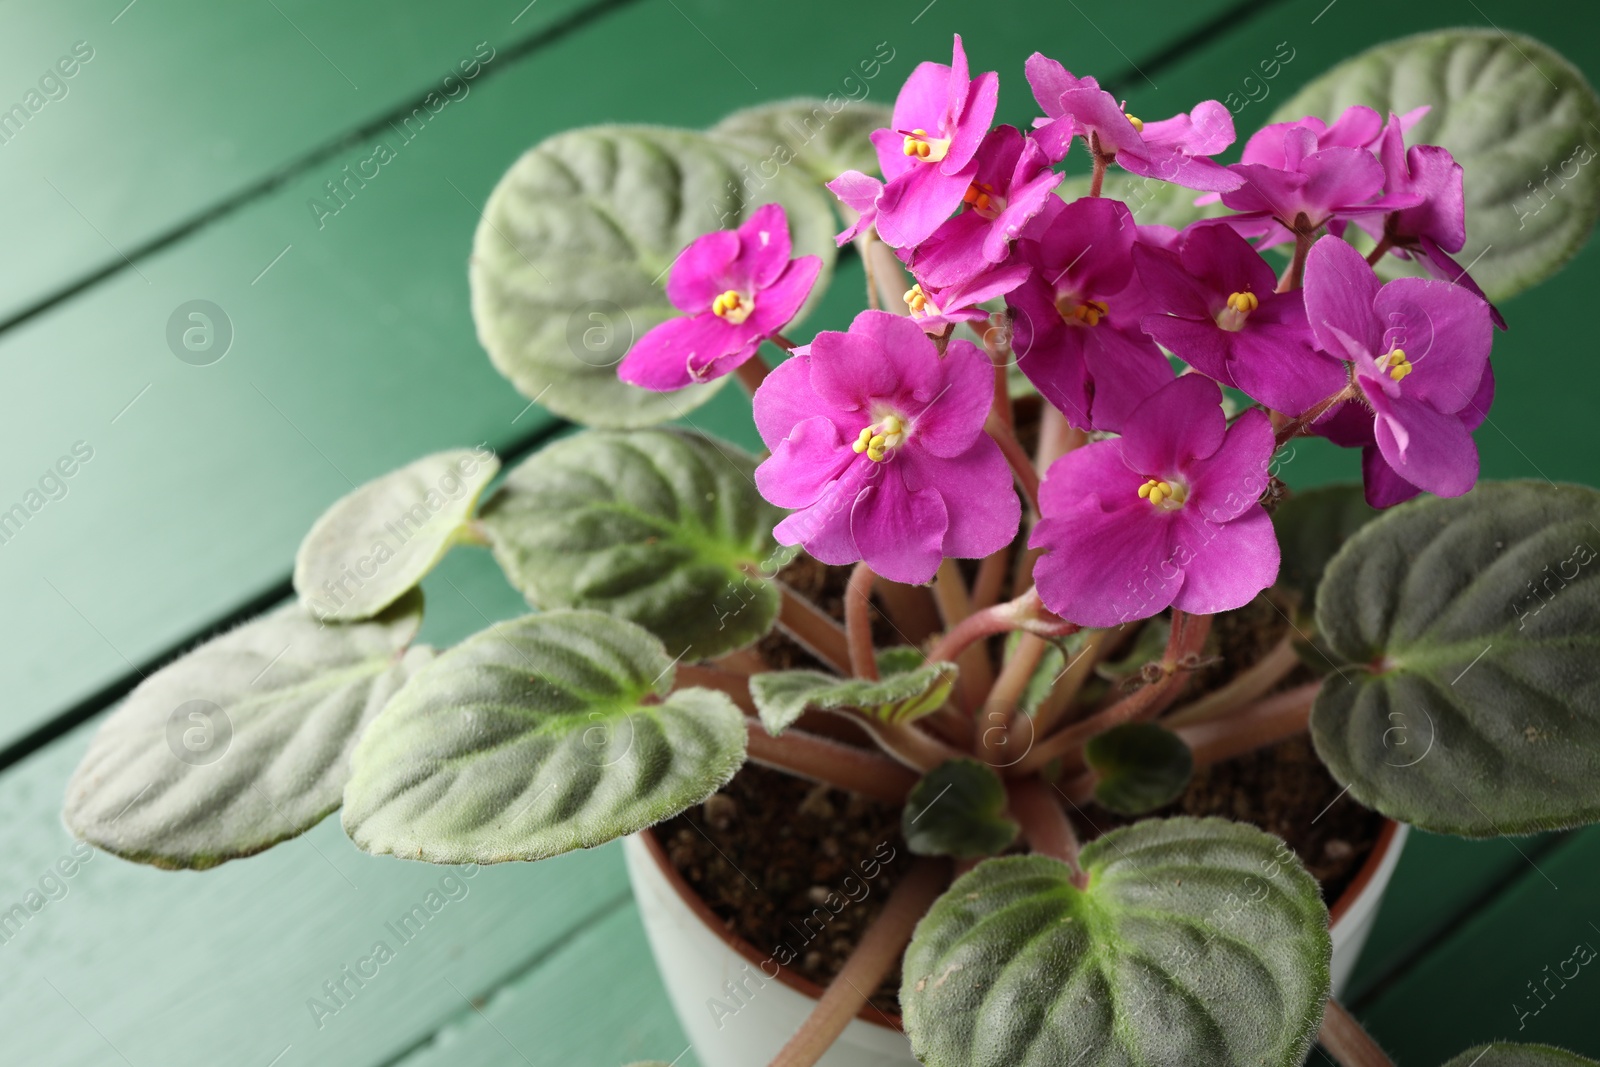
<point>301,165</point>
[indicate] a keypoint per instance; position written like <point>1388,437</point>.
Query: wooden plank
<point>116,963</point>
<point>597,1001</point>
<point>354,351</point>
<point>1500,976</point>
<point>166,111</point>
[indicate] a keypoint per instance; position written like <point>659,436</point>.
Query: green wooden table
<point>179,161</point>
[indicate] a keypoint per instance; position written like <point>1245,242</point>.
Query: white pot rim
<point>1367,880</point>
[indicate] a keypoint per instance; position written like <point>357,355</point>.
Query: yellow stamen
<point>1137,125</point>
<point>979,198</point>
<point>876,440</point>
<point>733,306</point>
<point>916,299</point>
<point>919,145</point>
<point>1396,363</point>
<point>1163,494</point>
<point>1243,302</point>
<point>1088,312</point>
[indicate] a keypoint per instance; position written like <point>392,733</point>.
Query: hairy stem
<point>991,578</point>
<point>1017,456</point>
<point>733,683</point>
<point>858,621</point>
<point>1070,682</point>
<point>1304,235</point>
<point>1300,425</point>
<point>1098,179</point>
<point>917,750</point>
<point>1188,637</point>
<point>1056,438</point>
<point>990,728</point>
<point>1278,717</point>
<point>1380,251</point>
<point>955,607</point>
<point>1246,686</point>
<point>752,372</point>
<point>1044,824</point>
<point>869,963</point>
<point>1351,1045</point>
<point>814,629</point>
<point>864,243</point>
<point>834,763</point>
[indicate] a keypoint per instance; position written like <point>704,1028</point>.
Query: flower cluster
<point>888,440</point>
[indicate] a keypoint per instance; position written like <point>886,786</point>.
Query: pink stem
<point>848,767</point>
<point>858,621</point>
<point>1351,1045</point>
<point>752,372</point>
<point>1017,456</point>
<point>814,629</point>
<point>1044,824</point>
<point>869,964</point>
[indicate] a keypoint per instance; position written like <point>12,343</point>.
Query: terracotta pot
<point>738,1006</point>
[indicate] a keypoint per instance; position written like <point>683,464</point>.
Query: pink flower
<point>878,445</point>
<point>1172,150</point>
<point>858,192</point>
<point>1165,515</point>
<point>1076,338</point>
<point>1218,310</point>
<point>940,118</point>
<point>1419,352</point>
<point>935,309</point>
<point>738,287</point>
<point>1012,185</point>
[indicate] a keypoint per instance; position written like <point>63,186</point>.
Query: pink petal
<point>1180,421</point>
<point>1231,562</point>
<point>660,360</point>
<point>1383,487</point>
<point>953,419</point>
<point>977,487</point>
<point>764,245</point>
<point>1230,481</point>
<point>1431,450</point>
<point>701,272</point>
<point>900,532</point>
<point>781,300</point>
<point>804,464</point>
<point>1446,334</point>
<point>1340,290</point>
<point>824,527</point>
<point>1106,567</point>
<point>914,204</point>
<point>883,357</point>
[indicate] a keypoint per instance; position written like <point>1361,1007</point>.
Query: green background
<point>179,165</point>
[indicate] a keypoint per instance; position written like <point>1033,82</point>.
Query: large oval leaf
<point>243,742</point>
<point>1197,941</point>
<point>379,541</point>
<point>824,138</point>
<point>1505,1055</point>
<point>1514,113</point>
<point>1476,624</point>
<point>571,257</point>
<point>659,527</point>
<point>535,737</point>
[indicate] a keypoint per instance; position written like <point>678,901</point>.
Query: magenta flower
<point>1012,185</point>
<point>858,192</point>
<point>940,118</point>
<point>1172,150</point>
<point>1419,350</point>
<point>1222,316</point>
<point>1075,338</point>
<point>1352,426</point>
<point>738,287</point>
<point>1165,515</point>
<point>1315,187</point>
<point>936,309</point>
<point>1437,225</point>
<point>878,445</point>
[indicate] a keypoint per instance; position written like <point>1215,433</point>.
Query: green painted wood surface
<point>183,105</point>
<point>365,346</point>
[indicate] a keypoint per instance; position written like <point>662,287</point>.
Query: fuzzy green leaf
<point>1197,941</point>
<point>379,541</point>
<point>571,257</point>
<point>1312,526</point>
<point>660,527</point>
<point>958,809</point>
<point>1140,767</point>
<point>535,737</point>
<point>1472,705</point>
<point>781,697</point>
<point>1514,113</point>
<point>242,743</point>
<point>1506,1055</point>
<point>824,138</point>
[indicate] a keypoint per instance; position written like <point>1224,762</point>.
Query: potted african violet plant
<point>960,674</point>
